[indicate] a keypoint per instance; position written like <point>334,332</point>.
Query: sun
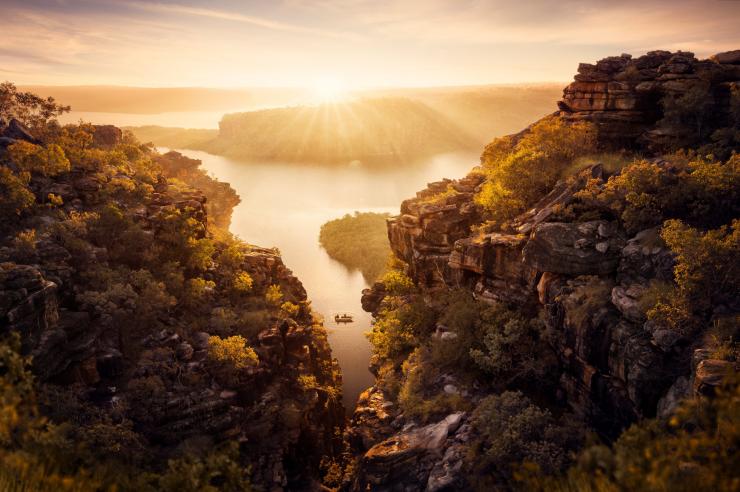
<point>329,89</point>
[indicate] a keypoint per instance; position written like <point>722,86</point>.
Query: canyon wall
<point>584,279</point>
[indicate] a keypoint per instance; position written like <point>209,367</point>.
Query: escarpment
<point>584,263</point>
<point>632,99</point>
<point>153,340</point>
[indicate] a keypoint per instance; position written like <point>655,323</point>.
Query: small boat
<point>343,318</point>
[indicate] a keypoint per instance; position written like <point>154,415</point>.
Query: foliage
<point>358,241</point>
<point>396,282</point>
<point>290,309</point>
<point>27,107</point>
<point>274,295</point>
<point>510,430</point>
<point>396,330</point>
<point>513,349</point>
<point>15,196</point>
<point>645,194</point>
<point>696,449</point>
<point>46,161</point>
<point>706,274</point>
<point>232,351</point>
<point>30,454</point>
<point>219,470</point>
<point>243,282</point>
<point>520,172</point>
<point>419,397</point>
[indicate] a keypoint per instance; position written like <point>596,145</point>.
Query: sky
<point>353,43</point>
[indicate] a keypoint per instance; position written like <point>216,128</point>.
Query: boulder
<point>727,57</point>
<point>107,136</point>
<point>18,131</point>
<point>709,375</point>
<point>628,301</point>
<point>407,457</point>
<point>587,248</point>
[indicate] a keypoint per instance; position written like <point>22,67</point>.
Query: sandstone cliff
<point>583,278</point>
<point>115,345</point>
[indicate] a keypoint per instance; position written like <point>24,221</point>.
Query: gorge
<point>563,316</point>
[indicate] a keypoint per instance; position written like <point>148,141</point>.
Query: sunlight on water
<point>285,206</point>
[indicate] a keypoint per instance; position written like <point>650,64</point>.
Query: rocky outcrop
<point>622,95</point>
<point>285,412</point>
<point>427,458</point>
<point>15,130</point>
<point>222,198</point>
<point>587,277</point>
<point>587,248</point>
<point>425,233</point>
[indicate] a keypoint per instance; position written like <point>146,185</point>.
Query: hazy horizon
<point>333,46</point>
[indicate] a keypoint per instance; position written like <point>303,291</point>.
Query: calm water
<point>285,205</point>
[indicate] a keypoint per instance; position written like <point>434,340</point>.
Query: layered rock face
<point>221,197</point>
<point>623,95</point>
<point>615,369</point>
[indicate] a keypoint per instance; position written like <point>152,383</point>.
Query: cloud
<point>237,17</point>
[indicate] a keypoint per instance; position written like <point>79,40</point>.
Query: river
<point>284,205</point>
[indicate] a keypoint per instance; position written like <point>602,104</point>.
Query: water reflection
<point>284,205</point>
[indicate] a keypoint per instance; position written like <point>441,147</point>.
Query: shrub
<point>517,174</point>
<point>290,309</point>
<point>274,295</point>
<point>644,194</point>
<point>46,161</point>
<point>706,273</point>
<point>512,347</point>
<point>24,244</point>
<point>232,351</point>
<point>696,449</point>
<point>15,196</point>
<point>396,329</point>
<point>242,282</point>
<point>397,283</point>
<point>510,430</point>
<point>419,397</point>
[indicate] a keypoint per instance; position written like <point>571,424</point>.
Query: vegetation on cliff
<point>142,347</point>
<point>358,241</point>
<point>573,312</point>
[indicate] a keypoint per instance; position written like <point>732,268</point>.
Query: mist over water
<point>284,206</point>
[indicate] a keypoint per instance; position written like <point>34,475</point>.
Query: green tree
<point>517,174</point>
<point>27,107</point>
<point>15,196</point>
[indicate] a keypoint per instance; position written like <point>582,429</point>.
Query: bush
<point>512,347</point>
<point>46,161</point>
<point>518,174</point>
<point>419,397</point>
<point>396,330</point>
<point>242,283</point>
<point>274,295</point>
<point>696,449</point>
<point>645,194</point>
<point>232,351</point>
<point>397,283</point>
<point>15,196</point>
<point>510,430</point>
<point>706,274</point>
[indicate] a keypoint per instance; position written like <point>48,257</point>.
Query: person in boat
<point>344,318</point>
